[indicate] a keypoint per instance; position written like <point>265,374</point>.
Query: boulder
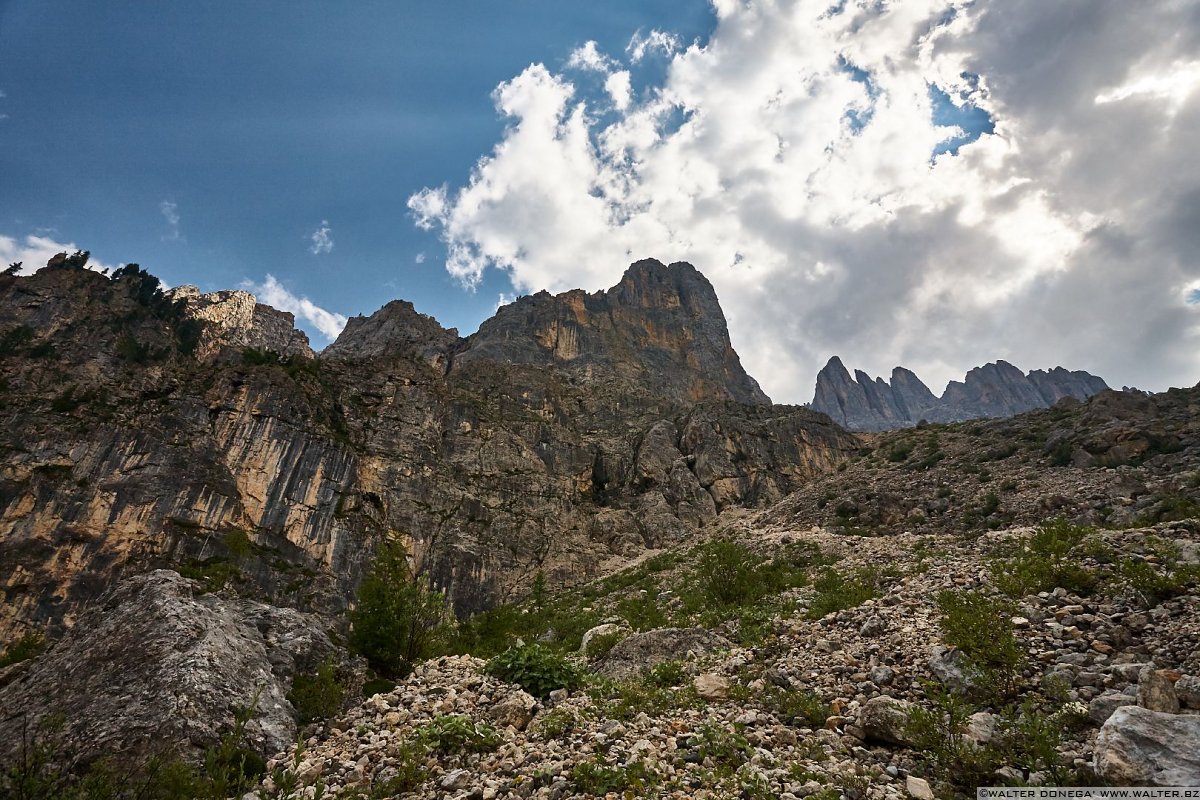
<point>885,719</point>
<point>1140,747</point>
<point>949,666</point>
<point>156,664</point>
<point>641,651</point>
<point>514,710</point>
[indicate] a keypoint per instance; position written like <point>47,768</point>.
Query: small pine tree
<point>398,617</point>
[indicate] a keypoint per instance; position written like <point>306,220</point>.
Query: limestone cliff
<point>154,430</point>
<point>993,390</point>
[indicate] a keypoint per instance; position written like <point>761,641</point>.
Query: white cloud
<point>274,294</point>
<point>34,251</point>
<point>619,87</point>
<point>420,258</point>
<point>322,239</point>
<point>589,58</point>
<point>170,212</point>
<point>662,42</point>
<point>789,158</point>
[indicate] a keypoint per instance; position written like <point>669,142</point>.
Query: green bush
<point>598,646</point>
<point>597,779</point>
<point>725,573</point>
<point>1043,562</point>
<point>397,618</point>
<point>837,591</point>
<point>981,627</point>
<point>796,707</point>
<point>452,734</point>
<point>536,669</point>
<point>317,695</point>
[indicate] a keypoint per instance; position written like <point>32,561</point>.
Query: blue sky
<point>258,121</point>
<point>931,183</point>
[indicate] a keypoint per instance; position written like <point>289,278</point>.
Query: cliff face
<point>149,430</point>
<point>993,390</point>
<point>661,327</point>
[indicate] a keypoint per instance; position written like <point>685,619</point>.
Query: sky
<point>932,183</point>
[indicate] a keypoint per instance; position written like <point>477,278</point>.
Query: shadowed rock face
<point>563,435</point>
<point>993,390</point>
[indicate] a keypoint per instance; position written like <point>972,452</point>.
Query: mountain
<point>993,390</point>
<point>198,432</point>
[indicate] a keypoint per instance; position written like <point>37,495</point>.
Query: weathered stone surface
<point>1140,747</point>
<point>236,319</point>
<point>495,456</point>
<point>1156,692</point>
<point>641,651</point>
<point>1187,689</point>
<point>1103,707</point>
<point>948,665</point>
<point>918,788</point>
<point>156,664</point>
<point>885,719</point>
<point>515,710</point>
<point>993,390</point>
<point>712,688</point>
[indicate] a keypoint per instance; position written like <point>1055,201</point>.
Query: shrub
<point>556,723</point>
<point>837,591</point>
<point>456,733</point>
<point>595,778</point>
<point>725,573</point>
<point>397,618</point>
<point>28,645</point>
<point>981,627</point>
<point>794,706</point>
<point>317,695</point>
<point>598,646</point>
<point>535,669</point>
<point>1043,562</point>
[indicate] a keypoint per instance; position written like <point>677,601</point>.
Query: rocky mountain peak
<point>996,389</point>
<point>661,328</point>
<point>235,318</point>
<point>396,329</point>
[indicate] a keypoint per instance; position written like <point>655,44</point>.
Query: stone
<point>156,660</point>
<point>1156,692</point>
<point>1140,747</point>
<point>882,675</point>
<point>455,779</point>
<point>994,390</point>
<point>874,626</point>
<point>1187,689</point>
<point>981,729</point>
<point>918,788</point>
<point>634,655</point>
<point>949,666</point>
<point>712,687</point>
<point>516,711</point>
<point>604,629</point>
<point>1102,707</point>
<point>885,719</point>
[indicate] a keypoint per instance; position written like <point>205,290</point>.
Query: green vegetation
<point>596,778</point>
<point>317,695</point>
<point>1027,737</point>
<point>837,591</point>
<point>980,626</point>
<point>537,669</point>
<point>1043,562</point>
<point>28,645</point>
<point>452,734</point>
<point>398,618</point>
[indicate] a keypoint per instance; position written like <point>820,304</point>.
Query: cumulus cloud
<point>588,57</point>
<point>170,212</point>
<point>322,239</point>
<point>34,251</point>
<point>275,294</point>
<point>797,159</point>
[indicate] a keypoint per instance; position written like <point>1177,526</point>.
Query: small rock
<point>918,788</point>
<point>1102,707</point>
<point>1156,692</point>
<point>712,687</point>
<point>885,719</point>
<point>455,779</point>
<point>1187,689</point>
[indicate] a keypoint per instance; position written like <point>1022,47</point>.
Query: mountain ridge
<point>996,389</point>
